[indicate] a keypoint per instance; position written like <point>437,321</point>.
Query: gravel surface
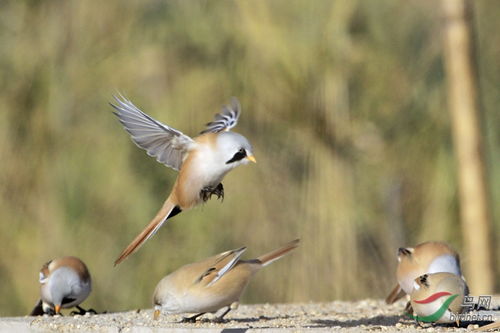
<point>367,315</point>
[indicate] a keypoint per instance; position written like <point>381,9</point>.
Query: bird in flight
<point>202,161</point>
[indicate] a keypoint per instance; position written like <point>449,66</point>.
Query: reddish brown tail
<point>167,211</point>
<point>488,327</point>
<point>272,256</point>
<point>395,294</point>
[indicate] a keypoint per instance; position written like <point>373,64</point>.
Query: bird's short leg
<point>192,319</point>
<point>457,322</point>
<point>50,312</point>
<point>420,323</point>
<point>220,319</point>
<point>408,308</point>
<point>81,311</point>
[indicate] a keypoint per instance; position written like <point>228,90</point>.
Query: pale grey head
<point>235,148</point>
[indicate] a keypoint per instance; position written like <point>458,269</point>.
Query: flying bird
<point>202,161</point>
<point>64,283</point>
<point>211,284</point>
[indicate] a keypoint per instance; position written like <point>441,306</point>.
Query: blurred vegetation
<point>343,101</point>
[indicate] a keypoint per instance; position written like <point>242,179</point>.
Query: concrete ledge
<point>367,315</point>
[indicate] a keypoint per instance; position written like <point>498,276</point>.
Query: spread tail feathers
<point>168,210</point>
<point>272,256</point>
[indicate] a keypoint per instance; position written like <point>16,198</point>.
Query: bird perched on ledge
<point>64,283</point>
<point>202,161</point>
<point>211,284</point>
<point>428,257</point>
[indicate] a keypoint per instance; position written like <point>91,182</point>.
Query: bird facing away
<point>211,284</point>
<point>64,283</point>
<point>202,161</point>
<point>428,257</point>
<point>431,291</point>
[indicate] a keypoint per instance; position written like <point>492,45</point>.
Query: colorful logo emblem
<point>440,312</point>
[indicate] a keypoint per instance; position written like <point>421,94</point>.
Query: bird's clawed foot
<point>220,319</point>
<point>219,191</point>
<point>188,320</point>
<point>50,312</point>
<point>207,192</point>
<point>408,309</point>
<point>191,319</point>
<point>81,311</point>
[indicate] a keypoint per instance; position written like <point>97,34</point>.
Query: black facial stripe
<point>241,154</point>
<point>404,251</point>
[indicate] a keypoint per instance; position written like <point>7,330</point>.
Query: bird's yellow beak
<point>156,314</point>
<point>251,158</point>
<point>57,308</point>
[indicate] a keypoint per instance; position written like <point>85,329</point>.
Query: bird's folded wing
<point>167,144</point>
<point>221,266</point>
<point>226,119</point>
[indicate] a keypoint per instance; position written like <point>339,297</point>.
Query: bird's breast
<point>407,279</point>
<point>200,170</point>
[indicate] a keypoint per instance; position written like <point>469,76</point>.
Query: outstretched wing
<point>226,119</point>
<point>167,144</point>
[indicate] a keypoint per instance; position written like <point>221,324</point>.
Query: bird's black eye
<point>241,154</point>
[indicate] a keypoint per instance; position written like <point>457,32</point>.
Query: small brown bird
<point>428,257</point>
<point>211,284</point>
<point>430,293</point>
<point>64,283</point>
<point>202,162</point>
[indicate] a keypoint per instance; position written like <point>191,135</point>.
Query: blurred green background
<point>343,101</point>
